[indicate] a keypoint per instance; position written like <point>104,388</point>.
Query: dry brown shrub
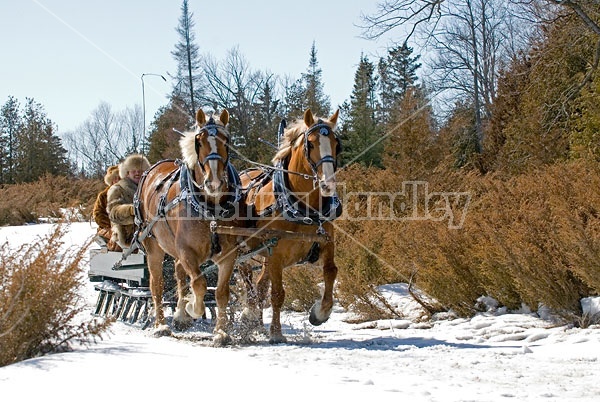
<point>533,239</point>
<point>47,198</point>
<point>301,287</point>
<point>40,303</point>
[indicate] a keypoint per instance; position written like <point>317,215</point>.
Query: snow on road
<point>493,356</point>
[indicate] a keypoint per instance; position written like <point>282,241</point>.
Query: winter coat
<point>100,216</point>
<point>119,206</point>
<point>99,213</point>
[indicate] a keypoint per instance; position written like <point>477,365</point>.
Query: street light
<point>144,103</point>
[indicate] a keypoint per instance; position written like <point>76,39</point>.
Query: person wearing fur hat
<point>120,199</point>
<point>100,214</point>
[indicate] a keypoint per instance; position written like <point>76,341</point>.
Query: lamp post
<point>144,104</point>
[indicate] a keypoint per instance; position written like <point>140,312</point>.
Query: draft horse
<point>298,195</point>
<point>176,201</point>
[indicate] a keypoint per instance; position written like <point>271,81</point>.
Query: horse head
<point>321,147</point>
<point>206,152</point>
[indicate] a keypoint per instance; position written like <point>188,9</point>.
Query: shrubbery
<point>48,197</point>
<point>532,239</point>
<point>40,300</point>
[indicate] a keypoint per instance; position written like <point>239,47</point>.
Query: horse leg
<point>181,319</point>
<point>321,310</point>
<point>195,306</point>
<point>251,317</point>
<point>222,298</point>
<point>277,298</point>
<point>155,257</point>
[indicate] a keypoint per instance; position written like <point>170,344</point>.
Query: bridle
<point>212,130</point>
<point>325,131</point>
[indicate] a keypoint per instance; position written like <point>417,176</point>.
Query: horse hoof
<point>221,339</point>
<point>181,320</point>
<point>251,321</point>
<point>275,339</point>
<point>182,325</point>
<point>315,318</point>
<point>189,308</point>
<point>162,330</point>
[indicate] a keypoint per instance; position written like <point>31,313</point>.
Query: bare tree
<point>232,84</point>
<point>588,11</point>
<point>468,40</point>
<point>105,138</point>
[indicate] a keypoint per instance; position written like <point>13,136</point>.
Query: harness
<point>290,207</point>
<point>191,193</point>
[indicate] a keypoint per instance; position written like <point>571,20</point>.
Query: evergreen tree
<point>316,100</point>
<point>307,92</point>
<point>164,141</point>
<point>186,55</point>
<point>10,124</point>
<point>364,143</point>
<point>397,73</point>
<point>412,149</point>
<point>265,123</point>
<point>38,150</point>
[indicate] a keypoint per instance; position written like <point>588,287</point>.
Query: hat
<point>133,162</point>
<point>111,173</point>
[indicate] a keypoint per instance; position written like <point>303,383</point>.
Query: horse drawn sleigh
<point>213,221</point>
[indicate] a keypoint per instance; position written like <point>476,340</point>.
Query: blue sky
<point>71,55</point>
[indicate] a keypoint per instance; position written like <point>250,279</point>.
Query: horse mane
<point>290,140</point>
<point>187,143</point>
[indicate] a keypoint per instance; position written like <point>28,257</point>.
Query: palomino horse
<point>300,197</point>
<point>177,200</point>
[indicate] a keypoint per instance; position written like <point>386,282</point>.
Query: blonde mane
<point>290,140</point>
<point>187,143</point>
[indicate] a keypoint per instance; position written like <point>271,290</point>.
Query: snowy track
<point>491,357</point>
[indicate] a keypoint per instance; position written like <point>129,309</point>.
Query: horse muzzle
<point>214,188</point>
<point>327,187</point>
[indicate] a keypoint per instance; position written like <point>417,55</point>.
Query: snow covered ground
<point>491,357</point>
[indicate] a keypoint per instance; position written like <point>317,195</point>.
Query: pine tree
<point>186,55</point>
<point>265,122</point>
<point>9,127</point>
<point>364,135</point>
<point>411,147</point>
<point>316,100</point>
<point>307,92</point>
<point>397,73</point>
<point>164,141</point>
<point>38,150</point>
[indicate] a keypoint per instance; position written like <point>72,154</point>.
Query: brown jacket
<point>119,205</point>
<point>100,216</point>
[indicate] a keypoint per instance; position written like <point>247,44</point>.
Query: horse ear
<point>309,119</point>
<point>200,117</point>
<point>224,117</point>
<point>334,117</point>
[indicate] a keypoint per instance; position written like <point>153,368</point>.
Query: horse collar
<point>200,207</point>
<point>289,205</point>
